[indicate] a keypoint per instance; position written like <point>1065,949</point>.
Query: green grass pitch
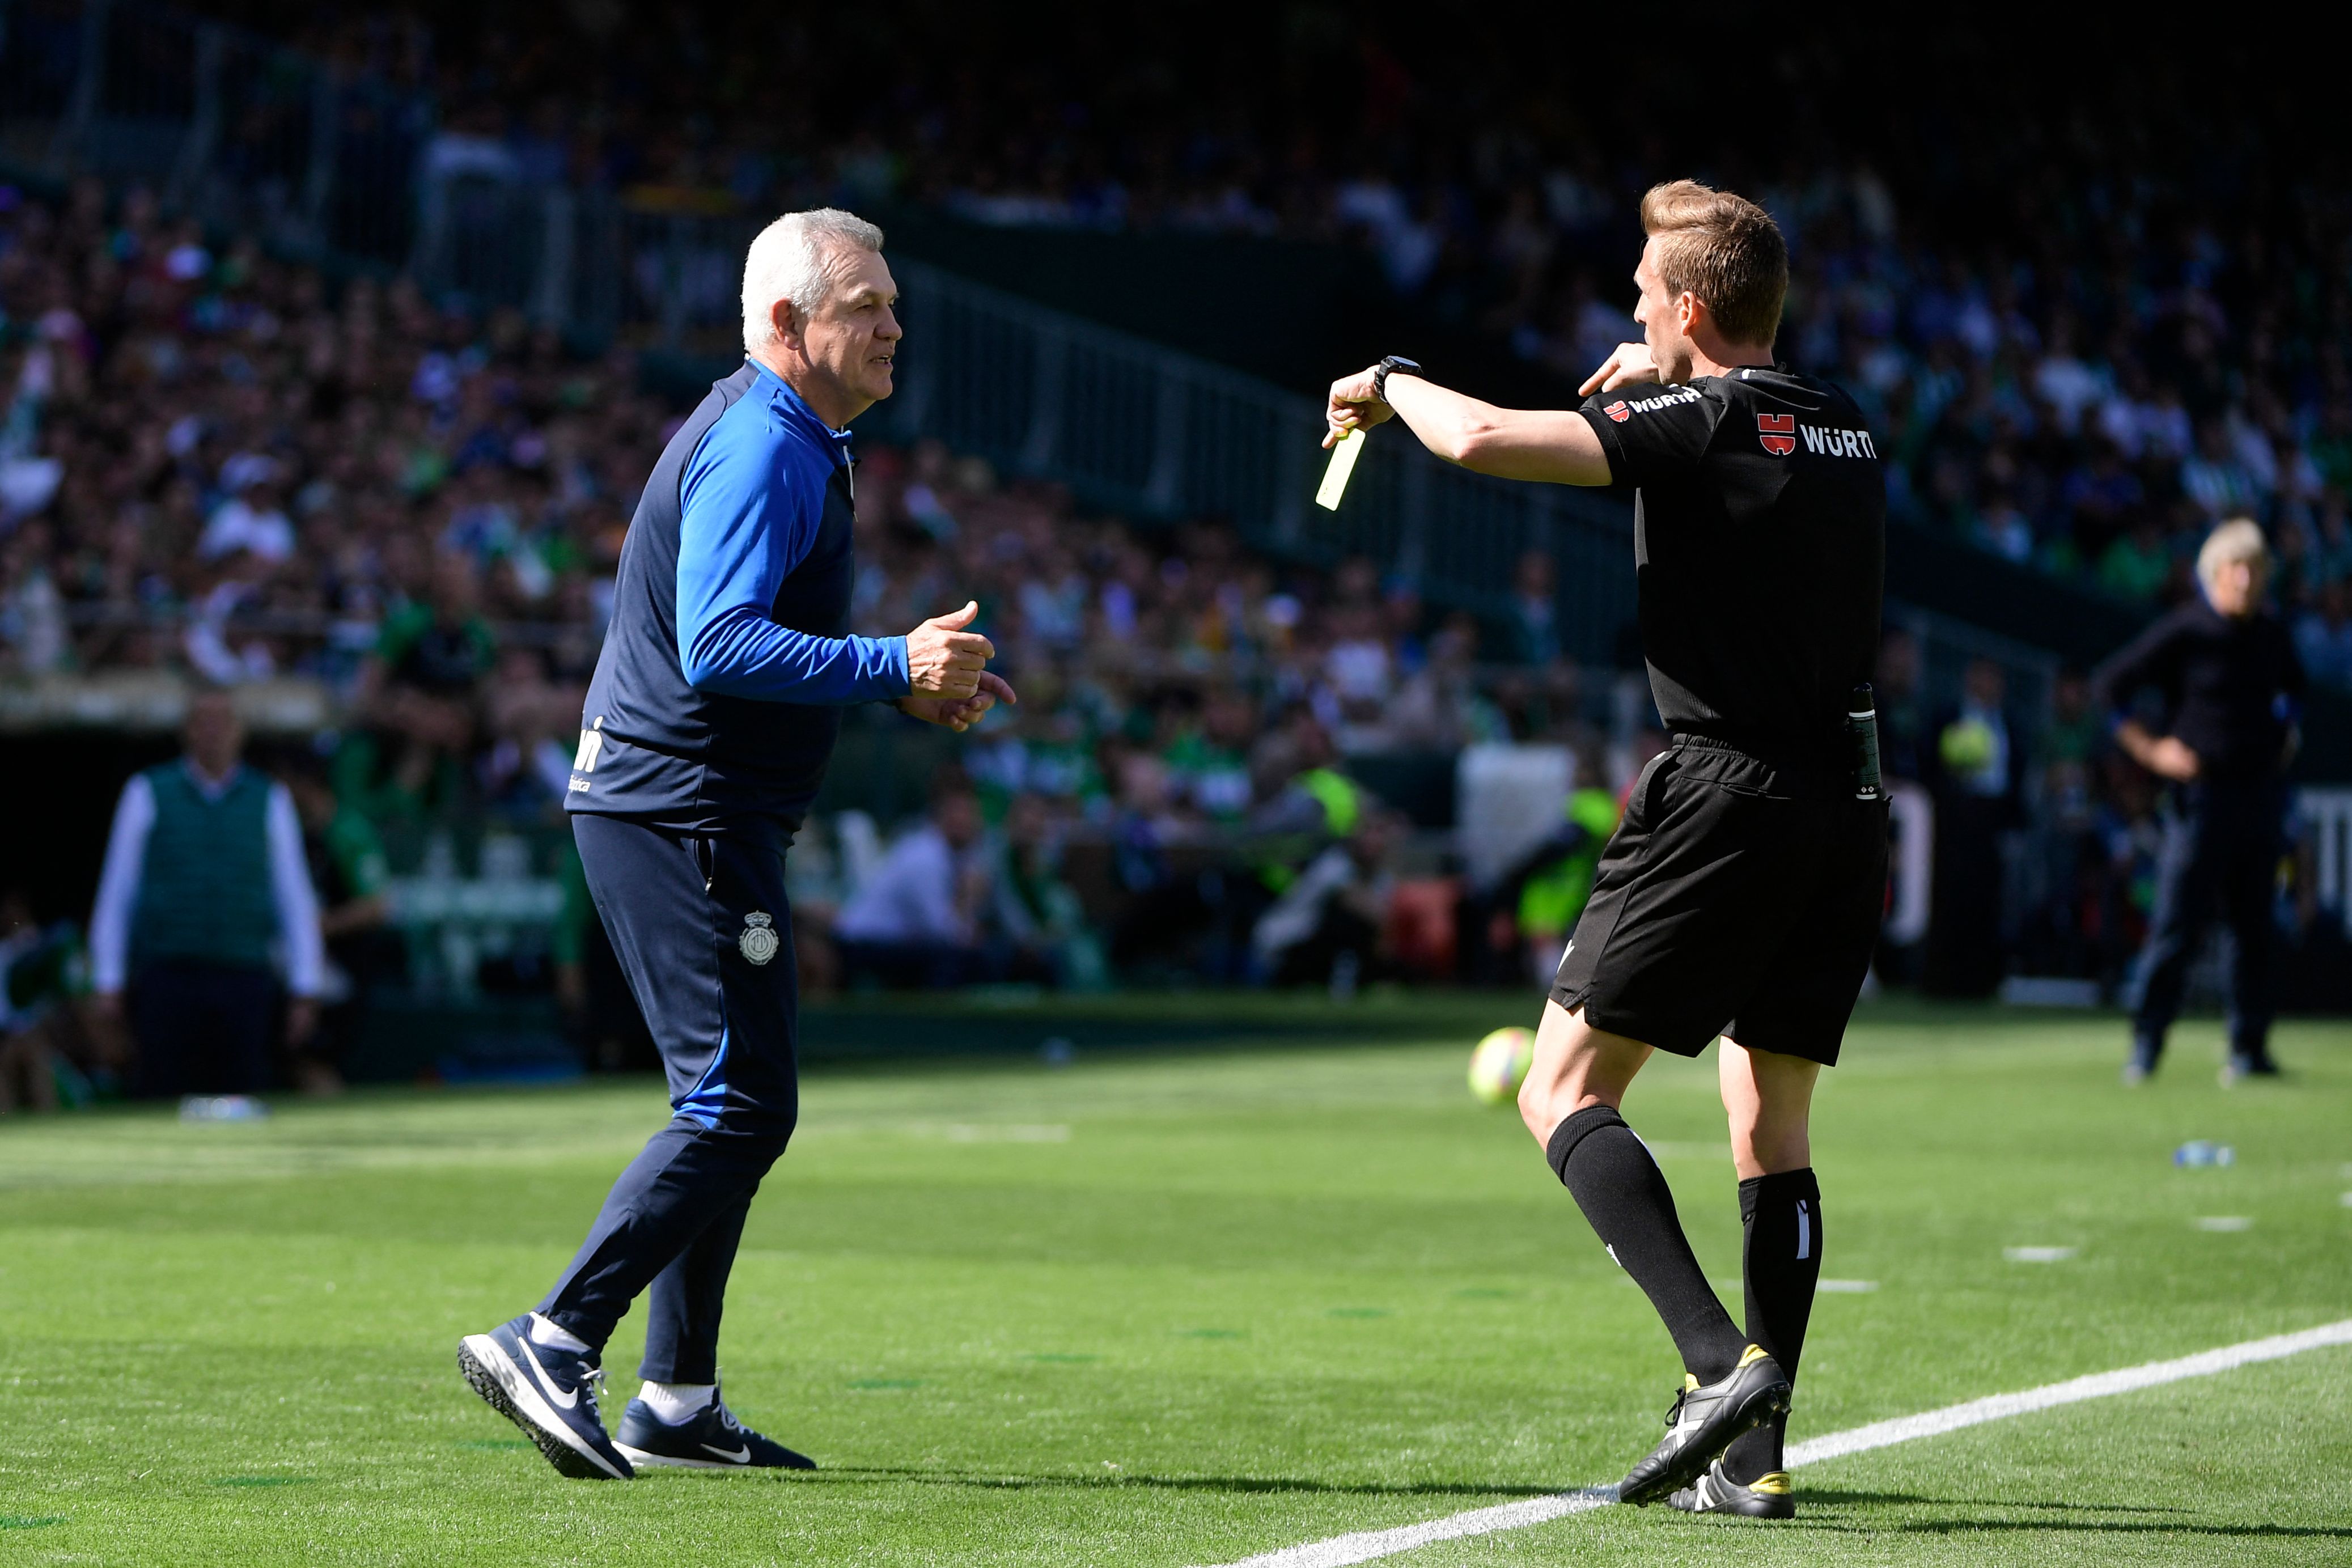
<point>1176,1309</point>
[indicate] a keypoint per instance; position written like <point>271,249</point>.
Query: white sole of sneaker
<point>523,1406</point>
<point>640,1458</point>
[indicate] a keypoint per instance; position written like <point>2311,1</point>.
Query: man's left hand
<point>960,713</point>
<point>1630,365</point>
<point>1353,406</point>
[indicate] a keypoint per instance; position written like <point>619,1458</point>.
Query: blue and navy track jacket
<point>728,659</point>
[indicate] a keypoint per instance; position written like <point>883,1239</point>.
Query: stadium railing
<point>1140,429</point>
<point>246,134</point>
<point>1136,428</point>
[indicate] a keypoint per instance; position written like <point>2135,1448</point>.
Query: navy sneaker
<point>712,1441</point>
<point>549,1393</point>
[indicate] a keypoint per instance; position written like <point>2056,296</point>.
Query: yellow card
<point>1344,453</point>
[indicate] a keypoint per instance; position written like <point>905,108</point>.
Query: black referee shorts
<point>1736,897</point>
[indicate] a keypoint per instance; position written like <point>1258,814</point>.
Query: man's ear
<point>1689,311</point>
<point>786,321</point>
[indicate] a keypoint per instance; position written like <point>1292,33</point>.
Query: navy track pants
<point>699,924</point>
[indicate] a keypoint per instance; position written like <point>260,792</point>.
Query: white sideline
<point>1365,1546</point>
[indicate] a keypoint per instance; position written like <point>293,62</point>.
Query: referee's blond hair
<point>1725,249</point>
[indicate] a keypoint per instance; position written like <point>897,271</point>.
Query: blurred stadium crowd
<point>2089,311</point>
<point>216,461</point>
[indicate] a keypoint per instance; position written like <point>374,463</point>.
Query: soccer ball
<point>1499,1064</point>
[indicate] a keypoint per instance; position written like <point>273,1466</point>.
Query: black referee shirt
<point>1760,543</point>
<point>2230,688</point>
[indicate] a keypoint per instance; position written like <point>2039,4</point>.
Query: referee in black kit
<point>2231,689</point>
<point>1741,895</point>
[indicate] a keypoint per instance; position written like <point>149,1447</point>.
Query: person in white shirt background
<point>204,895</point>
<point>916,917</point>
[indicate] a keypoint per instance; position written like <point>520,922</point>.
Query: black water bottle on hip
<point>1862,731</point>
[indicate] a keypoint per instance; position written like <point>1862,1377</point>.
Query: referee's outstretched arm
<point>1556,445</point>
<point>1680,340</point>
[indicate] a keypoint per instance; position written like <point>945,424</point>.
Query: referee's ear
<point>1690,314</point>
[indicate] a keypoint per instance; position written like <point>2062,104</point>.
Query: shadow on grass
<point>1110,1480</point>
<point>264,1481</point>
<point>1832,1495</point>
<point>2125,1527</point>
<point>1276,1484</point>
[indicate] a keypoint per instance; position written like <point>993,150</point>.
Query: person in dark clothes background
<point>2231,689</point>
<point>421,685</point>
<point>1976,766</point>
<point>1901,725</point>
<point>364,947</point>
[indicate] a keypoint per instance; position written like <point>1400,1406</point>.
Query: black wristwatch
<point>1381,374</point>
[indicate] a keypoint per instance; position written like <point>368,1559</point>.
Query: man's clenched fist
<point>960,713</point>
<point>945,660</point>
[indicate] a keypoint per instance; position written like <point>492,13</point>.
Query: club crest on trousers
<point>758,941</point>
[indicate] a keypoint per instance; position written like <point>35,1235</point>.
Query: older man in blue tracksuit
<point>714,709</point>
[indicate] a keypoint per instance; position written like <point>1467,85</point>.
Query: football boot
<point>1766,1497</point>
<point>1703,1420</point>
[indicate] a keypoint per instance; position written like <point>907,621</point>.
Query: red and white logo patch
<point>1619,411</point>
<point>1778,432</point>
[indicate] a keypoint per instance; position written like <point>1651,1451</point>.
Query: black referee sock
<point>1781,1214</point>
<point>1625,1195</point>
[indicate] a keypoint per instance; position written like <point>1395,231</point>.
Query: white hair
<point>794,258</point>
<point>2239,539</point>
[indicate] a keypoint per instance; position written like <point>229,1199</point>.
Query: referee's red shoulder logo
<point>1778,432</point>
<point>1619,411</point>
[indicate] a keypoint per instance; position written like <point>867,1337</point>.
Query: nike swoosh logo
<point>564,1401</point>
<point>742,1456</point>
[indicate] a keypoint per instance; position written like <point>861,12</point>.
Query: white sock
<point>678,1402</point>
<point>556,1336</point>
